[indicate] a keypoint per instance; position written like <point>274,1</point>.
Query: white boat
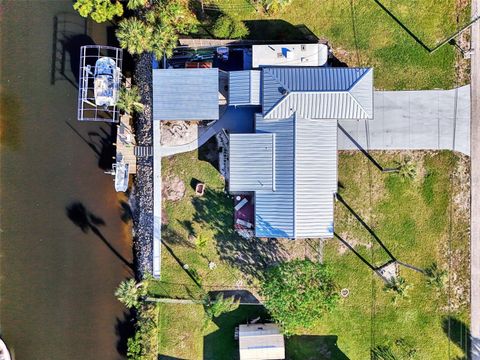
<point>121,177</point>
<point>106,82</point>
<point>4,353</point>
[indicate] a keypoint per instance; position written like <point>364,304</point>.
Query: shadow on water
<point>124,329</point>
<point>101,143</point>
<point>87,222</point>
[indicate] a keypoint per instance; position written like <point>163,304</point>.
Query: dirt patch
<point>173,188</point>
<point>342,249</point>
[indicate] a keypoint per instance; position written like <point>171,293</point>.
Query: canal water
<point>64,243</point>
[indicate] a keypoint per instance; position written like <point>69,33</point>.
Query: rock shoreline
<point>141,197</point>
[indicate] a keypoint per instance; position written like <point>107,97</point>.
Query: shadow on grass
<point>221,344</point>
<point>251,256</point>
<point>313,347</point>
<point>278,30</point>
<point>458,333</point>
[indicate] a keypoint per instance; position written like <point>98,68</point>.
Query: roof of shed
<point>185,94</point>
<point>252,162</point>
<point>244,87</point>
<point>261,342</point>
<point>305,179</point>
<point>317,93</point>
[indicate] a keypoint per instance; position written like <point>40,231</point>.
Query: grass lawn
<point>419,221</point>
<point>362,33</point>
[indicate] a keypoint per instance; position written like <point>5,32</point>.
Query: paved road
<point>412,120</point>
<point>475,187</point>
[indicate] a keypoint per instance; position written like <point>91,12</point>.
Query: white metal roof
<point>290,55</point>
<point>261,342</point>
<point>252,158</point>
<point>185,94</point>
<point>305,179</point>
<point>244,87</point>
<point>317,93</point>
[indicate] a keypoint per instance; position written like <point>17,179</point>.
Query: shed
<point>261,342</point>
<point>185,94</point>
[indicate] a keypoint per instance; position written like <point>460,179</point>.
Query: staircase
<point>143,151</point>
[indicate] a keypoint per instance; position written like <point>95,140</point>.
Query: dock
<point>125,144</point>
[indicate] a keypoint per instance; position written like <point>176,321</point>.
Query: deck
<point>126,144</point>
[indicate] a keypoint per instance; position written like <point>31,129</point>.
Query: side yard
<point>420,222</point>
<point>370,33</point>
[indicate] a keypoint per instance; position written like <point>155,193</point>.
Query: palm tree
<point>407,169</point>
<point>129,100</point>
<point>435,276</point>
<point>129,293</point>
<point>135,35</point>
<point>136,4</point>
<point>397,286</point>
<point>164,40</point>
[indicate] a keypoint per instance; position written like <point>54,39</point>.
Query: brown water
<point>57,281</point>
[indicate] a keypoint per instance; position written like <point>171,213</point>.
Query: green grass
<point>415,219</point>
<point>363,34</point>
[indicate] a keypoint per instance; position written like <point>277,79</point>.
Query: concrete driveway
<point>412,120</point>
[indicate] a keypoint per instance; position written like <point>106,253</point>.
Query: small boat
<point>4,353</point>
<point>121,177</point>
<point>106,82</point>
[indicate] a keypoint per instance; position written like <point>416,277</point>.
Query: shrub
<point>99,10</point>
<point>407,169</point>
<point>272,6</point>
<point>298,293</point>
<point>436,277</point>
<point>398,287</point>
<point>219,306</point>
<point>227,27</point>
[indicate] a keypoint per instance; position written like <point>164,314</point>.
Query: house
<point>290,162</point>
<point>261,342</point>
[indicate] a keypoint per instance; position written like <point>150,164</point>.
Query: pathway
<point>475,188</point>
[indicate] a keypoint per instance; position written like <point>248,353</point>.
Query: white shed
<point>261,342</point>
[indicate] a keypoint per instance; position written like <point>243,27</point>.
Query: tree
<point>168,19</point>
<point>227,27</point>
<point>129,100</point>
<point>298,293</point>
<point>99,10</point>
<point>220,305</point>
<point>136,4</point>
<point>398,287</point>
<point>407,169</point>
<point>436,277</point>
<point>134,35</point>
<point>129,293</point>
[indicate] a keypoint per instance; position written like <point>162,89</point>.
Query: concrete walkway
<point>412,120</point>
<point>475,188</point>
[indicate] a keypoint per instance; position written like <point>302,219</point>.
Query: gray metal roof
<point>317,93</point>
<point>252,162</point>
<point>305,179</point>
<point>244,87</point>
<point>185,94</point>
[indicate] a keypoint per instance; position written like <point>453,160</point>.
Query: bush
<point>298,293</point>
<point>272,6</point>
<point>227,27</point>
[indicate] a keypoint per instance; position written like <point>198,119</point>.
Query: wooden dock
<point>126,144</point>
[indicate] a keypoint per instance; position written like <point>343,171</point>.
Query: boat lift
<point>104,78</point>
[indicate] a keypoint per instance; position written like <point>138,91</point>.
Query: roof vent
<point>282,90</point>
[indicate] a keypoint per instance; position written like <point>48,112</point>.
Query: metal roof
<point>252,162</point>
<point>185,94</point>
<point>317,93</point>
<point>261,342</point>
<point>244,87</point>
<point>305,179</point>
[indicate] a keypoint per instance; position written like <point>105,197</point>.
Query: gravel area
<point>142,194</point>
